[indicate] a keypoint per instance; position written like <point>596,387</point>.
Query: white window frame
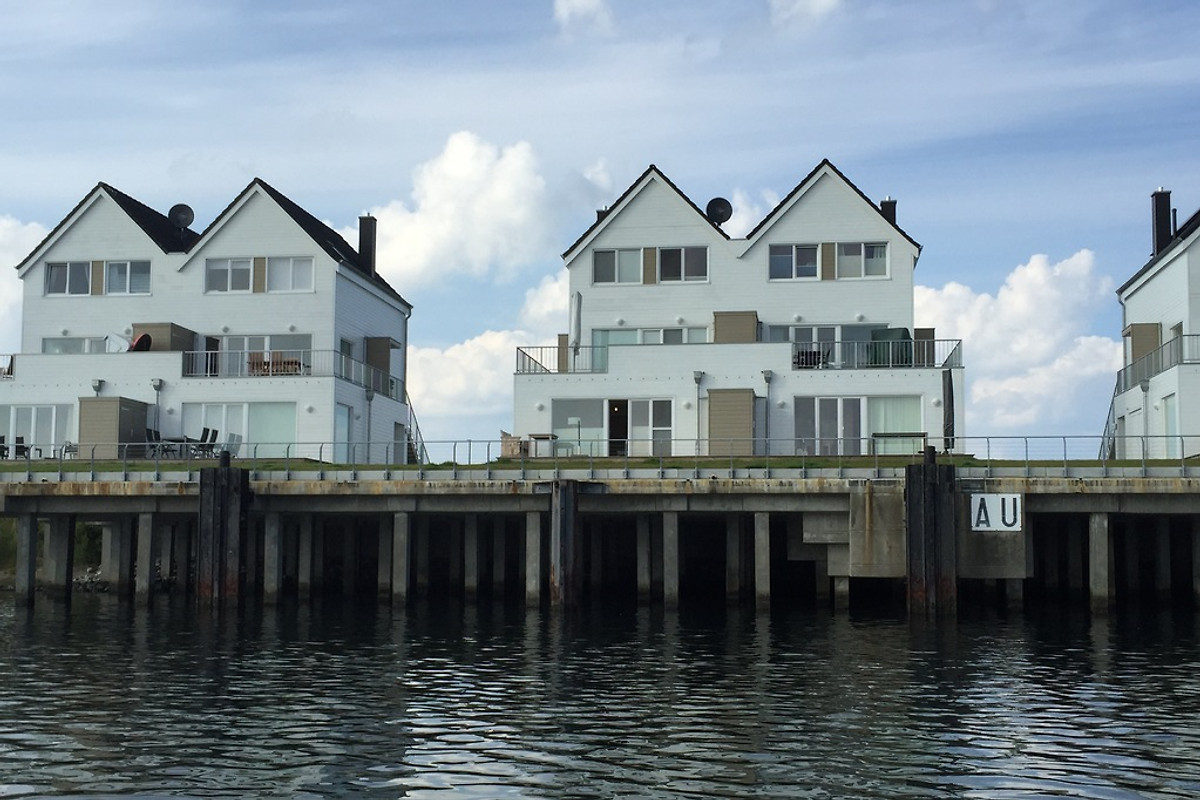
<point>87,344</point>
<point>791,255</point>
<point>228,267</point>
<point>851,267</point>
<point>110,266</point>
<point>628,277</point>
<point>684,252</point>
<point>69,266</point>
<point>277,266</point>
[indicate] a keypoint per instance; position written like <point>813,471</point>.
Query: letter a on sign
<point>996,512</point>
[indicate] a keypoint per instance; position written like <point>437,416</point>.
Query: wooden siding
<point>731,422</point>
<point>649,265</point>
<point>97,277</point>
<point>735,327</point>
<point>1144,338</point>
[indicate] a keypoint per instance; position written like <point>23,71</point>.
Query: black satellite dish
<point>181,215</point>
<point>719,210</point>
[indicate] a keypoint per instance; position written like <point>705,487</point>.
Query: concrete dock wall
<point>754,540</point>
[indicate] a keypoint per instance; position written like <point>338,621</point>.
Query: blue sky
<point>1021,139</point>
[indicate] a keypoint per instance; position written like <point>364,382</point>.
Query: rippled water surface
<point>102,700</point>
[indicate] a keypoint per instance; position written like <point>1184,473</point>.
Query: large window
<point>127,277</point>
<point>72,277</point>
<point>617,266</point>
<point>60,345</point>
<point>828,426</point>
<point>792,261</point>
<point>682,264</point>
<point>227,275</point>
<point>859,260</point>
<point>289,274</point>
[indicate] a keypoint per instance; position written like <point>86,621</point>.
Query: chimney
<point>366,243</point>
<point>887,207</point>
<point>1160,219</point>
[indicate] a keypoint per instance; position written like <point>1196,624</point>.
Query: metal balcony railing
<point>920,354</point>
<point>1180,350</point>
<point>289,363</point>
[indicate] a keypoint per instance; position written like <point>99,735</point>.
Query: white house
<point>266,334</point>
<point>1156,403</point>
<point>797,338</point>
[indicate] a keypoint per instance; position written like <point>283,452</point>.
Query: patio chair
<point>3,448</point>
<point>207,446</point>
<point>154,443</point>
<point>233,444</point>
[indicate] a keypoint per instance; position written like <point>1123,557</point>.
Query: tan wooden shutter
<point>97,277</point>
<point>828,261</point>
<point>649,265</point>
<point>258,275</point>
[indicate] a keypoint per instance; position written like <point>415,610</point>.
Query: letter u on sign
<point>996,512</point>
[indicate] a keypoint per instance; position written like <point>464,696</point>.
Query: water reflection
<point>342,699</point>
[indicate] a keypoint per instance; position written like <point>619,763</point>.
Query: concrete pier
<point>759,542</point>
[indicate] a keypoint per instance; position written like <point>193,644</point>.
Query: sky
<point>1021,139</point>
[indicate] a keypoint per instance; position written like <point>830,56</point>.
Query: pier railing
<point>472,460</point>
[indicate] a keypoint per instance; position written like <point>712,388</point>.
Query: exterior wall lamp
<point>97,385</point>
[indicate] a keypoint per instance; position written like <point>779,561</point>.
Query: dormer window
<point>72,277</point>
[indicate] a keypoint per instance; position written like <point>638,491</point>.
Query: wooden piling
<point>564,549</point>
<point>932,546</point>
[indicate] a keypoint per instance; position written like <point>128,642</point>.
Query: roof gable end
<point>158,228</point>
<point>603,218</point>
<point>826,167</point>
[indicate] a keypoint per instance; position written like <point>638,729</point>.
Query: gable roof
<point>172,239</point>
<point>324,236</point>
<point>160,229</point>
<point>803,186</point>
<point>652,171</point>
<point>166,234</point>
<point>1189,227</point>
<point>602,217</point>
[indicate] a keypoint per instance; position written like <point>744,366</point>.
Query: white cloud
<point>545,311</point>
<point>1029,359</point>
<point>747,212</point>
<point>478,211</point>
<point>598,175</point>
<point>786,12</point>
<point>583,15</point>
<point>17,240</point>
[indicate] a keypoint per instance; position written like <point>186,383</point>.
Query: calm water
<point>350,700</point>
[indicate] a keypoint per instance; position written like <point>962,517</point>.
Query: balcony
<point>289,363</point>
<point>1180,350</point>
<point>907,354</point>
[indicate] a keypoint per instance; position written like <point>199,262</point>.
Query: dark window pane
<point>604,266</point>
<point>695,263</point>
<point>670,264</point>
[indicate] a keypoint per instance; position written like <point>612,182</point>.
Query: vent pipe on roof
<point>1160,219</point>
<point>887,207</point>
<point>366,243</point>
